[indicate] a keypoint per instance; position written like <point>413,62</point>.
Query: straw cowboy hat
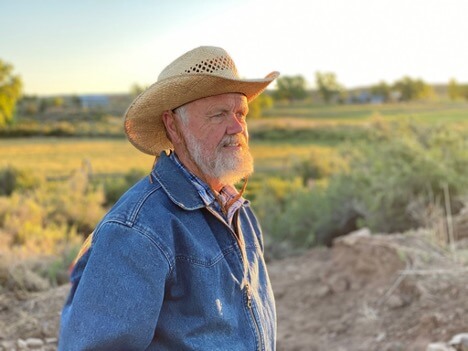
<point>202,72</point>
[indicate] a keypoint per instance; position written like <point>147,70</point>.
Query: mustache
<point>234,140</point>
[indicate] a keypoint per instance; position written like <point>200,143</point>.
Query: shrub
<point>320,164</point>
<point>114,188</point>
<point>12,179</point>
<point>404,165</point>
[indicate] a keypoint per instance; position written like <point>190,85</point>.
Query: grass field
<point>423,111</point>
<point>54,157</point>
<point>57,157</point>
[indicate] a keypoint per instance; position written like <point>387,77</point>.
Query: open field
<point>287,133</point>
<point>58,157</point>
<point>444,112</point>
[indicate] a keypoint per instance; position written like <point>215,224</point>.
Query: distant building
<point>364,97</point>
<point>94,101</point>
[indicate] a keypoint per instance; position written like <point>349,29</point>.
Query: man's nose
<point>235,125</point>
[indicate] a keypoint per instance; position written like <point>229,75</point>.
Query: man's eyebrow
<point>216,110</point>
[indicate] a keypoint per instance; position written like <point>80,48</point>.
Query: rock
<point>34,343</point>
<point>338,284</point>
<point>353,237</point>
<point>439,346</point>
<point>22,345</point>
<point>323,291</point>
<point>460,341</point>
<point>51,340</point>
<point>381,337</point>
<point>7,345</point>
<point>395,301</point>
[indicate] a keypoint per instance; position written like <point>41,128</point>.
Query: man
<point>177,263</point>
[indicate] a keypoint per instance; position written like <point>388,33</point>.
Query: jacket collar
<point>179,189</point>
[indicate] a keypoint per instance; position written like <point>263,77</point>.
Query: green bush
<point>12,179</point>
<point>115,187</point>
<point>415,165</point>
<point>403,166</point>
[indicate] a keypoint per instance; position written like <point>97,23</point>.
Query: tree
<point>262,102</point>
<point>137,89</point>
<point>291,88</point>
<point>413,89</point>
<point>328,85</point>
<point>456,90</point>
<point>382,89</point>
<point>10,92</point>
<point>57,101</point>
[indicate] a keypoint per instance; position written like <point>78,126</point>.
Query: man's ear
<point>172,127</point>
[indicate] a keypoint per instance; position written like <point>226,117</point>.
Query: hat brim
<point>143,120</point>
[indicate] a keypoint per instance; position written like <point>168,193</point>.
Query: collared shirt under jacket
<point>165,272</point>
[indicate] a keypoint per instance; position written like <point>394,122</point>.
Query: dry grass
<point>59,157</point>
<point>54,157</point>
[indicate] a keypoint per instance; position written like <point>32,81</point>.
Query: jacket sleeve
<point>114,303</point>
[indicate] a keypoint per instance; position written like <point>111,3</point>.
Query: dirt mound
<point>368,292</point>
<point>379,292</point>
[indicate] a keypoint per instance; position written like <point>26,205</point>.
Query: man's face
<point>216,136</point>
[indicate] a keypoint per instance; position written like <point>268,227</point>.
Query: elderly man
<point>177,263</point>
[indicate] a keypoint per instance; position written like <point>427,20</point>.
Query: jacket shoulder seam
<point>133,215</point>
<point>155,243</point>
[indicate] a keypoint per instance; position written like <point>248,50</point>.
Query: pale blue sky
<point>104,46</point>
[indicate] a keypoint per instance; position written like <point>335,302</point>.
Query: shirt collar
<point>226,194</point>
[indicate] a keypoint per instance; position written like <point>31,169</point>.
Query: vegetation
<point>383,90</point>
<point>290,88</point>
<point>328,86</point>
<point>10,92</point>
<point>260,104</point>
<point>390,183</point>
<point>457,91</point>
<point>321,171</point>
<point>412,89</point>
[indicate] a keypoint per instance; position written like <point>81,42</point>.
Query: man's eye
<point>217,118</point>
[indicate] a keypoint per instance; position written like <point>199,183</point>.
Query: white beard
<point>227,166</point>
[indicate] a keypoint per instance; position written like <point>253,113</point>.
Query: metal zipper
<point>247,286</point>
<point>252,315</point>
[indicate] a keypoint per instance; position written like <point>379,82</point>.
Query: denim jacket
<point>164,272</point>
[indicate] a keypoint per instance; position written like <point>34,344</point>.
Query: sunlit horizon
<point>105,47</point>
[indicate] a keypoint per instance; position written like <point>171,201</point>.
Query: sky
<point>106,46</point>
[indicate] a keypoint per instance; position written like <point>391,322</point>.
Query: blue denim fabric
<point>166,273</point>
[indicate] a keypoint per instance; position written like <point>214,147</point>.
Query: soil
<point>367,292</point>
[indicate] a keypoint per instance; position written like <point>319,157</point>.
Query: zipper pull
<point>249,297</point>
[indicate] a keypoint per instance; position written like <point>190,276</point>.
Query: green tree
<point>382,89</point>
<point>454,90</point>
<point>464,91</point>
<point>57,101</point>
<point>328,85</point>
<point>10,92</point>
<point>291,88</point>
<point>137,89</point>
<point>261,103</point>
<point>413,89</point>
